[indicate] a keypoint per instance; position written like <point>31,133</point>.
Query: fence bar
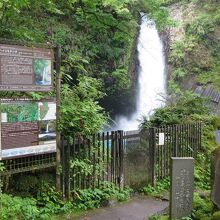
<point>107,156</point>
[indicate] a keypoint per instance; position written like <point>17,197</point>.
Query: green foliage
<point>39,200</point>
<point>178,110</point>
<point>2,167</point>
<point>179,51</point>
<point>202,179</point>
<point>161,187</point>
<point>80,112</point>
<point>202,207</point>
<point>83,166</point>
<point>94,198</point>
<point>201,27</point>
<point>27,184</point>
<point>216,215</point>
<point>51,201</point>
<point>116,82</point>
<point>177,54</point>
<point>211,76</point>
<point>158,12</point>
<point>18,208</point>
<point>210,123</point>
<point>195,56</point>
<point>158,217</point>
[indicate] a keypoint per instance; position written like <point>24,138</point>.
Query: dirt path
<point>139,208</point>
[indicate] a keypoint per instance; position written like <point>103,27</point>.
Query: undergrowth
<point>49,202</point>
<point>161,186</point>
<point>94,198</point>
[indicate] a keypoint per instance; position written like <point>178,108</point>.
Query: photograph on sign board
<point>47,124</point>
<point>47,131</point>
<point>42,71</point>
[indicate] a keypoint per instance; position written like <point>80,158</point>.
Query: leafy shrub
<point>18,208</point>
<point>202,207</point>
<point>201,27</point>
<point>177,54</point>
<point>216,215</point>
<point>202,179</point>
<point>46,205</point>
<point>161,186</point>
<point>85,116</point>
<point>93,198</point>
<point>178,110</point>
<point>27,184</point>
<point>31,184</point>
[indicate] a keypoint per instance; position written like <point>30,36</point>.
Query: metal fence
<point>87,162</point>
<point>28,163</point>
<point>133,158</point>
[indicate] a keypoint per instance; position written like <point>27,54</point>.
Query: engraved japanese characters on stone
<point>181,187</point>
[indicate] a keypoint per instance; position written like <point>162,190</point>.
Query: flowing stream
<point>151,76</point>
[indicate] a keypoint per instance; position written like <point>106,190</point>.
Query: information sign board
<point>25,68</point>
<point>27,127</point>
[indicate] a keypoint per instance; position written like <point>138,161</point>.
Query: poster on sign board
<point>25,68</point>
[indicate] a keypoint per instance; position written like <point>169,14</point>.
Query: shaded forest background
<point>98,40</point>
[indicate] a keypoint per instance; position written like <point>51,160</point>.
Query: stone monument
<point>182,187</point>
<point>216,177</point>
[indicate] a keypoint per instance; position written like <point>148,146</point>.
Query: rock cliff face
<point>216,177</point>
<point>194,45</point>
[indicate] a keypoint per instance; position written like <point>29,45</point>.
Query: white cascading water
<point>151,76</point>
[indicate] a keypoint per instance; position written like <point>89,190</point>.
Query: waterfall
<point>151,76</point>
<point>44,76</point>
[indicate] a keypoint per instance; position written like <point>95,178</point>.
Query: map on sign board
<point>27,127</point>
<point>25,68</point>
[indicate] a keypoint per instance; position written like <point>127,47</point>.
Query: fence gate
<point>136,158</point>
<point>148,153</point>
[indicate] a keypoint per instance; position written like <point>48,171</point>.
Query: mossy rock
<point>216,215</point>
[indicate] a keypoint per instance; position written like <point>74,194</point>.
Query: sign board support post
<point>58,142</point>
